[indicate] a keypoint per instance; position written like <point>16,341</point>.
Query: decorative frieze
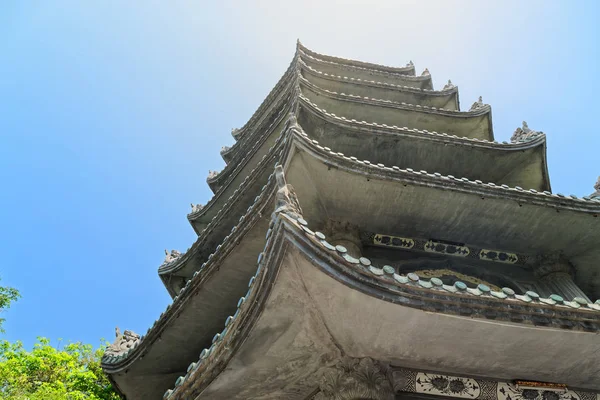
<point>380,239</point>
<point>499,256</point>
<point>444,248</point>
<point>409,381</point>
<point>442,385</point>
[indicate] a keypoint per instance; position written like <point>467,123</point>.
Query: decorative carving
<point>445,272</point>
<point>393,241</point>
<point>442,385</point>
<point>409,381</point>
<point>596,194</point>
<point>225,149</point>
<point>293,121</point>
<point>212,174</point>
<point>444,248</point>
<point>478,104</point>
<point>172,256</point>
<point>196,207</point>
<point>122,343</point>
<point>425,72</point>
<point>286,198</point>
<point>235,132</point>
<point>500,256</point>
<point>508,391</point>
<point>410,64</point>
<point>354,378</point>
<point>524,133</point>
<point>449,85</point>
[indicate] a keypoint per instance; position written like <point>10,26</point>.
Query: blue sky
<point>112,113</point>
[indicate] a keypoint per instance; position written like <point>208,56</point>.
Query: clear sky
<point>112,113</point>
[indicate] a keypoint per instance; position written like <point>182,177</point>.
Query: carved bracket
<point>286,198</point>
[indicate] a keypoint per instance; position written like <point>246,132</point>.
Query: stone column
<point>344,234</point>
<point>555,274</point>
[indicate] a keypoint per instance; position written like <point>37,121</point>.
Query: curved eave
<point>309,322</point>
<point>226,213</point>
<point>201,308</point>
<point>271,97</point>
<point>252,143</point>
<point>516,164</point>
<point>447,98</point>
<point>447,208</point>
<point>475,124</point>
<point>235,175</point>
<point>406,70</point>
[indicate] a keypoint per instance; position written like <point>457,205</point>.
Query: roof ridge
<point>530,139</point>
<point>357,63</point>
<point>436,176</point>
<point>483,109</point>
<point>447,88</point>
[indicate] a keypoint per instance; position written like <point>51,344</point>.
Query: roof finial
<point>477,104</point>
<point>596,194</point>
<point>234,132</point>
<point>225,149</point>
<point>410,64</point>
<point>524,134</point>
<point>212,174</point>
<point>196,207</point>
<point>449,85</point>
<point>172,256</point>
<point>425,72</point>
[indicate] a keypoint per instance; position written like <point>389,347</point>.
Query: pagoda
<point>368,239</point>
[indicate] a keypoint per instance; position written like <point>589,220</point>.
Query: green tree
<point>48,372</point>
<point>7,296</point>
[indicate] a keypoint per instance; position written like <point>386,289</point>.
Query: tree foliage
<point>7,296</point>
<point>49,373</point>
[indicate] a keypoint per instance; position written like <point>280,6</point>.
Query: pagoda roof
<point>446,98</point>
<point>475,123</point>
<point>182,329</point>
<point>528,158</point>
<point>521,163</point>
<point>524,231</point>
<point>409,69</point>
<point>354,286</point>
<point>370,72</point>
<point>422,81</point>
<point>278,320</point>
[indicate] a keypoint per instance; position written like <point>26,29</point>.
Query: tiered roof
<point>377,144</point>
